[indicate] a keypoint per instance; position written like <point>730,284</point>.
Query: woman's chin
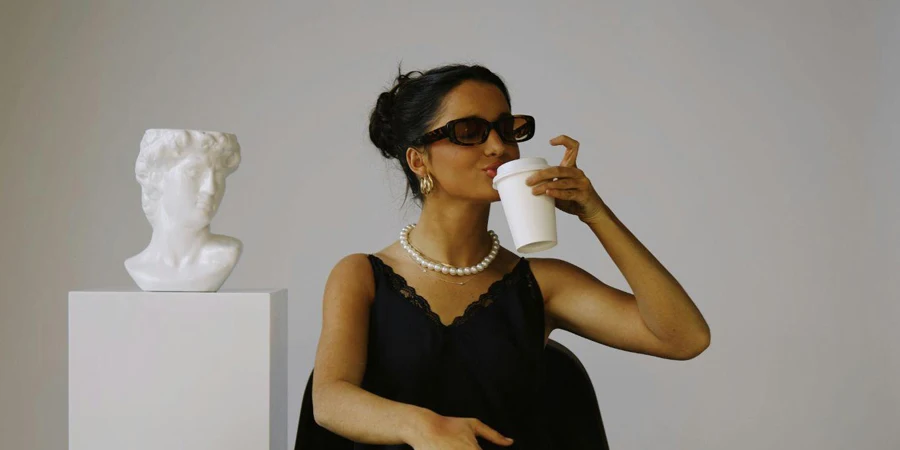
<point>486,198</point>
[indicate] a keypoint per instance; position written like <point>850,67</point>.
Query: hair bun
<point>381,125</point>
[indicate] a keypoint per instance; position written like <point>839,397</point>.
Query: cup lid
<point>518,166</point>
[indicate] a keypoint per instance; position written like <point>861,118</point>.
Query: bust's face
<point>192,190</point>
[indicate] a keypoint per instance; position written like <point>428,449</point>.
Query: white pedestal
<point>178,370</point>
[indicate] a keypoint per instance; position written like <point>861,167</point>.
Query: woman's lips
<point>491,172</point>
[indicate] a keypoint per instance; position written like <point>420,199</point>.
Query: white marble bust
<point>182,176</point>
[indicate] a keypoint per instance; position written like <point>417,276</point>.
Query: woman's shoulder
<point>360,266</point>
<point>354,264</point>
<point>389,254</point>
<point>550,273</point>
<point>353,269</point>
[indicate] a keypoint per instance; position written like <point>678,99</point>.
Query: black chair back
<point>570,402</point>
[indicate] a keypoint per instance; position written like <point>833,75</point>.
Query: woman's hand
<point>567,183</point>
<point>455,433</point>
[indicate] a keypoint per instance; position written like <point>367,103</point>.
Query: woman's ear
<point>417,161</point>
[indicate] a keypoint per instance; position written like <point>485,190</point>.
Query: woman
<point>410,356</point>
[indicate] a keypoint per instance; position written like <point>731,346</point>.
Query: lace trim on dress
<point>532,285</point>
<point>400,285</point>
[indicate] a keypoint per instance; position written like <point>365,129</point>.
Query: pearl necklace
<point>446,268</point>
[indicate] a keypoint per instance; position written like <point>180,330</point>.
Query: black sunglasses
<point>475,130</point>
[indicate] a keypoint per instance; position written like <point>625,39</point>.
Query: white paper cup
<point>531,218</point>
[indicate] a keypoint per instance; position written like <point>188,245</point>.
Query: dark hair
<point>404,112</point>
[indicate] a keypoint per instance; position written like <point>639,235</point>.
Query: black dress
<point>487,364</point>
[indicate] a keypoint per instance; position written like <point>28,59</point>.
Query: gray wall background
<point>751,146</point>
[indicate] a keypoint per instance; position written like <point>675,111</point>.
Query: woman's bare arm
<point>340,404</point>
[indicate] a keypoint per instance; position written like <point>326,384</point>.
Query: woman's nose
<point>494,145</point>
<point>208,183</point>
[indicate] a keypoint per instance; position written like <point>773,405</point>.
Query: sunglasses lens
<point>470,131</point>
<point>516,129</point>
<point>511,129</point>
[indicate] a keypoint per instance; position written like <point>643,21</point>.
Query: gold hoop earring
<point>426,184</point>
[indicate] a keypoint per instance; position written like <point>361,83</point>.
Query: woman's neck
<point>454,234</point>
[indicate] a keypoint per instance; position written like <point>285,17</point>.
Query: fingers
<point>564,140</point>
<point>562,183</point>
<point>489,433</point>
<point>569,160</point>
<point>553,172</point>
<point>563,194</point>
